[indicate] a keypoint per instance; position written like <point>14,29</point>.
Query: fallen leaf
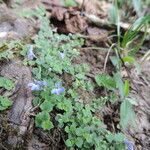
<point>97,34</point>
<point>75,23</point>
<point>58,13</point>
<point>90,6</point>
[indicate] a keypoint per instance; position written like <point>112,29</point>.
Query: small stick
<point>82,6</point>
<point>106,58</point>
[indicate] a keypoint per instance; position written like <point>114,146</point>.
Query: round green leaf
<point>47,106</point>
<point>79,142</point>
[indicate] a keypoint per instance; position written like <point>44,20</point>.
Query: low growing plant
<point>51,56</point>
<point>4,103</point>
<point>125,50</point>
<point>8,85</point>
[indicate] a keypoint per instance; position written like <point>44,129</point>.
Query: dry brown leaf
<point>90,6</point>
<point>58,13</point>
<point>97,34</point>
<point>68,20</point>
<point>96,31</point>
<point>75,23</point>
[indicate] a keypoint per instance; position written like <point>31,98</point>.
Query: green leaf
<point>69,143</point>
<point>36,101</point>
<point>41,117</point>
<point>47,106</point>
<point>106,81</point>
<point>132,101</point>
<point>67,129</point>
<point>130,34</point>
<point>119,84</point>
<point>73,128</point>
<point>80,76</point>
<point>115,61</point>
<point>128,59</point>
<point>137,6</point>
<point>126,88</point>
<point>96,121</point>
<point>6,83</point>
<point>79,131</point>
<point>119,137</point>
<point>110,137</point>
<point>70,3</point>
<point>138,68</point>
<point>88,137</point>
<point>79,142</point>
<point>47,125</point>
<point>113,13</point>
<point>5,103</point>
<point>65,105</point>
<point>140,21</point>
<point>127,115</point>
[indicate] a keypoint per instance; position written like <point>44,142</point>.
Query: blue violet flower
<point>30,53</point>
<point>58,89</point>
<point>62,55</point>
<point>129,144</point>
<point>40,83</point>
<point>37,85</point>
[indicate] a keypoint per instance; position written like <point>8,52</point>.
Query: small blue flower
<point>129,144</point>
<point>30,53</point>
<point>34,87</point>
<point>37,85</point>
<point>62,55</point>
<point>58,89</point>
<point>40,83</point>
<point>59,84</point>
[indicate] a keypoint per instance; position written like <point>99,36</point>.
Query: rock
<point>14,25</point>
<point>18,115</point>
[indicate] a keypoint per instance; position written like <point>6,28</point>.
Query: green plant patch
<point>51,57</point>
<point>42,120</point>
<point>4,103</point>
<point>106,81</point>
<point>6,83</point>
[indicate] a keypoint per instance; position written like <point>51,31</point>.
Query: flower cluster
<point>38,85</point>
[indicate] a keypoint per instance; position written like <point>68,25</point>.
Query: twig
<point>82,6</point>
<point>101,22</point>
<point>145,57</point>
<point>95,48</point>
<point>106,58</point>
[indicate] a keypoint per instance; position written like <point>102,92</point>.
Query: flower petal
<point>54,91</point>
<point>129,144</point>
<point>30,53</point>
<point>57,91</point>
<point>62,55</point>
<point>61,90</point>
<point>34,87</point>
<point>40,83</point>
